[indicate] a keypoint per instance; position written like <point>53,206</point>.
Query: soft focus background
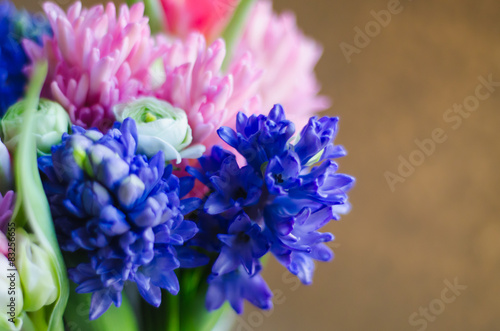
<point>396,250</point>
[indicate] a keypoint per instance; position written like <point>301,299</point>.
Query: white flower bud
<point>50,123</point>
<point>160,126</point>
<point>11,298</point>
<point>36,272</point>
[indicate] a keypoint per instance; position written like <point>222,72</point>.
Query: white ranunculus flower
<point>160,126</point>
<point>11,297</point>
<point>36,272</point>
<point>50,124</point>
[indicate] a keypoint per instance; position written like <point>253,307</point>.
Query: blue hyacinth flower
<point>278,202</point>
<point>123,210</point>
<point>242,246</point>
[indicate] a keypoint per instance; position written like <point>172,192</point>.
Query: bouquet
<point>153,156</point>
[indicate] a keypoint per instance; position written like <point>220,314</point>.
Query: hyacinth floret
<point>236,286</point>
<point>293,189</point>
<point>259,137</point>
<point>124,210</point>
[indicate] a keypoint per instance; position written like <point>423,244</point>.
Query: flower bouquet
<point>153,157</point>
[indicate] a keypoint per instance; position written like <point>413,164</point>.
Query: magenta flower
<point>96,59</point>
<point>6,207</point>
<point>195,83</point>
<point>205,16</point>
<point>287,59</point>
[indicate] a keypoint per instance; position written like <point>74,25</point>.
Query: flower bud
<point>160,127</point>
<point>6,207</point>
<point>36,273</point>
<point>11,298</point>
<point>51,122</point>
<point>5,169</point>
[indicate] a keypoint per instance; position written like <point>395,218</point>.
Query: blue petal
<point>190,258</point>
<point>151,293</point>
<point>186,184</point>
<point>277,114</point>
<point>228,135</point>
<point>89,286</point>
<point>168,281</point>
<point>186,230</point>
<point>258,293</point>
<point>226,262</point>
<point>302,266</point>
<point>241,120</point>
<point>215,296</point>
<point>129,137</point>
<point>321,252</point>
<point>113,222</point>
<point>99,303</point>
<point>216,204</point>
<point>190,205</point>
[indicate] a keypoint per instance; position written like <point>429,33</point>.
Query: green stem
<point>234,29</point>
<point>173,313</point>
<point>21,163</point>
<point>190,280</point>
<point>32,208</point>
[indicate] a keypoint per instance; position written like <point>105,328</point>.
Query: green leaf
<point>234,29</point>
<point>32,209</point>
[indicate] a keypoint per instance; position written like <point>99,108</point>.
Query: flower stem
<point>173,313</point>
<point>31,204</point>
<point>235,28</point>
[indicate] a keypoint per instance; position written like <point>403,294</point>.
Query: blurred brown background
<point>395,250</point>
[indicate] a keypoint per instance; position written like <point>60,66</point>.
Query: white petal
<point>193,152</point>
<point>150,146</point>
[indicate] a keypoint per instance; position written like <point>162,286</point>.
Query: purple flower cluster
<point>276,203</point>
<point>124,210</point>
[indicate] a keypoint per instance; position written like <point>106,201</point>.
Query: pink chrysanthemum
<point>287,58</point>
<point>6,207</point>
<point>205,16</point>
<point>96,59</point>
<point>195,83</point>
